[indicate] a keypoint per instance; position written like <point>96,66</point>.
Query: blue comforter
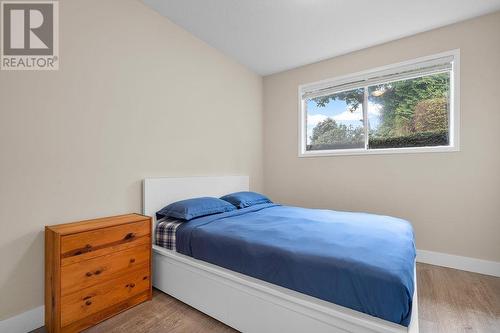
<point>361,261</point>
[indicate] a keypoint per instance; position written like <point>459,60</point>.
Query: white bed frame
<point>242,302</point>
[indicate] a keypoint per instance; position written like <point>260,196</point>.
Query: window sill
<point>382,151</point>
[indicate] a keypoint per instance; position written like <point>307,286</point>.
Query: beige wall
<point>452,199</point>
<point>135,96</point>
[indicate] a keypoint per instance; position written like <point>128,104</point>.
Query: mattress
<point>361,261</point>
<point>166,231</point>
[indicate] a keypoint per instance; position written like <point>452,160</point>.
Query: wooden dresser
<point>95,269</point>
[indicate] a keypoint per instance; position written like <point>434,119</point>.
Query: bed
<point>252,299</point>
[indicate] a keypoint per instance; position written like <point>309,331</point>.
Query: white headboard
<point>159,192</point>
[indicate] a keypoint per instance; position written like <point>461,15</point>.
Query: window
<point>408,107</point>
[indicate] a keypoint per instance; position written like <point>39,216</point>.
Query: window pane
<point>410,113</point>
<point>335,121</point>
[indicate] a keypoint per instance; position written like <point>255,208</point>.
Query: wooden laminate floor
<point>449,301</point>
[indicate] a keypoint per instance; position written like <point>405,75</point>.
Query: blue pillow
<point>246,199</point>
<point>191,208</point>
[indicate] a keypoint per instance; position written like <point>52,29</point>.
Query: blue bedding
<point>361,261</point>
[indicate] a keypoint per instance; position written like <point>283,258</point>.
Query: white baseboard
<point>34,318</point>
<point>24,322</point>
<point>458,262</point>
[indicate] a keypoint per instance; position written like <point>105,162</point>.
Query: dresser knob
<point>88,274</point>
<point>132,260</point>
<point>132,285</point>
<point>130,235</point>
<point>86,248</point>
<point>98,272</point>
<point>88,302</point>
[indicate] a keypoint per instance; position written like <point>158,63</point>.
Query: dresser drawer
<point>91,300</point>
<point>86,245</point>
<point>86,273</point>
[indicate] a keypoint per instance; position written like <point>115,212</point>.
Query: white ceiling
<point>270,36</point>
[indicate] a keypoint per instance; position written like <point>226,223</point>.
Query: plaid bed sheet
<point>165,232</point>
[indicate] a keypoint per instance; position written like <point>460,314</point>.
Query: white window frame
<point>454,121</point>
